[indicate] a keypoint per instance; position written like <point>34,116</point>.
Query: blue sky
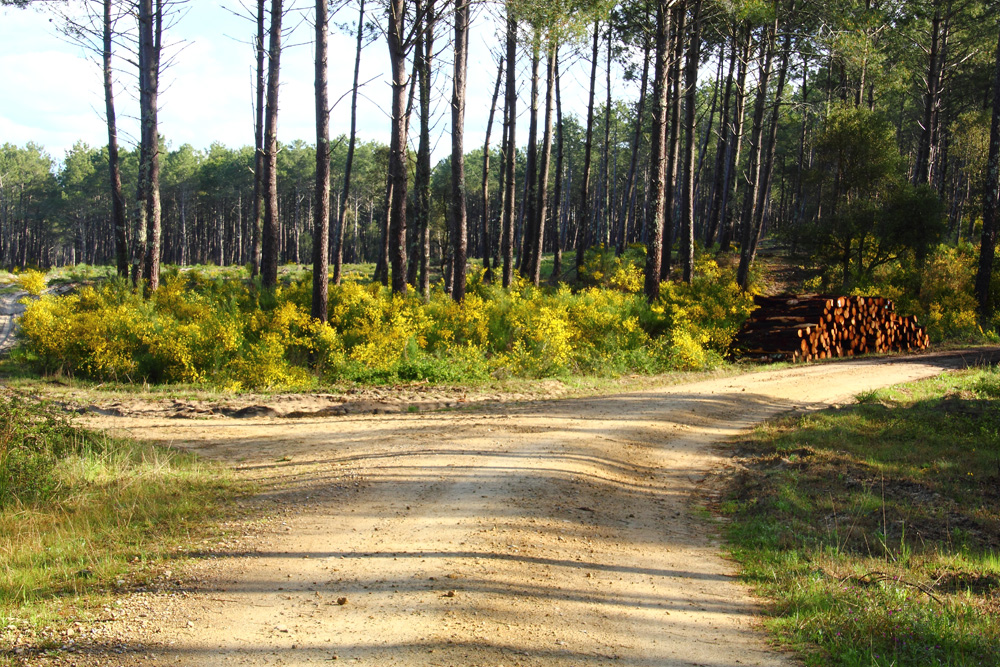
<point>53,93</point>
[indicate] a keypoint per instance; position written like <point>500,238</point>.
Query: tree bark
<point>510,103</point>
<point>321,211</point>
<point>584,224</point>
<point>271,232</point>
<point>114,165</point>
<point>721,155</point>
<point>543,170</point>
<point>422,178</point>
<point>687,193</point>
<point>673,146</point>
<point>151,33</point>
<point>458,194</point>
<point>754,175</point>
<point>657,186</point>
<point>396,236</point>
<point>258,172</point>
<point>557,207</point>
<point>338,246</point>
<point>627,208</point>
<point>487,236</point>
<point>531,170</point>
<point>987,247</point>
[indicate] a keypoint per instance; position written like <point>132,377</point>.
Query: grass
<point>874,529</point>
<point>84,515</point>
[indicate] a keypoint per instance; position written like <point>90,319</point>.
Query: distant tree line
<point>859,130</point>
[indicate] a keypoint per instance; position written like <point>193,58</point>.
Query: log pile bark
<point>808,327</point>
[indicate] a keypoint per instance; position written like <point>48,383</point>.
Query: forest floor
<point>10,308</point>
<point>559,532</point>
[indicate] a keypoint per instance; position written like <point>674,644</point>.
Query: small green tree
<point>869,214</point>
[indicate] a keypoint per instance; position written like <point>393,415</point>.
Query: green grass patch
<point>874,529</point>
<point>83,514</point>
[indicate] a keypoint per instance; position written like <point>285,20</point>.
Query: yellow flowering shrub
<point>32,281</point>
<point>209,330</point>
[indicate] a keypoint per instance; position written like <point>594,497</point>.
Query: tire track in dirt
<point>557,533</point>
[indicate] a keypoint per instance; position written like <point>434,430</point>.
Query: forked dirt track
<point>556,533</point>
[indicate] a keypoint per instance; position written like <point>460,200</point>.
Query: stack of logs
<point>809,326</point>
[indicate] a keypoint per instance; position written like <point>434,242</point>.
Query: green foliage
<point>215,331</point>
<point>82,513</point>
<point>873,528</point>
<point>871,215</point>
<point>33,438</point>
<point>938,290</point>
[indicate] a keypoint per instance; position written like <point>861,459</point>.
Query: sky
<point>53,93</point>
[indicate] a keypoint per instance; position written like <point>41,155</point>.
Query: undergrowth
<point>225,333</point>
<point>874,529</point>
<point>83,513</point>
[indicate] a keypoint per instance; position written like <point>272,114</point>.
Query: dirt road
<point>557,533</point>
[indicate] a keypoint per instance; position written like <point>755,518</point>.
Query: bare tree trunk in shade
<point>458,194</point>
<point>987,247</point>
<point>767,158</point>
<point>543,170</point>
<point>735,148</point>
<point>321,210</point>
<point>487,238</point>
<point>114,168</point>
<point>557,204</point>
<point>271,232</point>
<point>721,154</point>
<point>258,160</point>
<point>630,180</point>
<point>673,140</point>
<point>657,187</point>
<point>754,179</point>
<point>687,191</point>
<point>338,246</point>
<point>510,94</point>
<point>584,224</point>
<point>604,220</point>
<point>530,170</point>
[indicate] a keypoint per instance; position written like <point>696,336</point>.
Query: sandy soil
<point>556,533</point>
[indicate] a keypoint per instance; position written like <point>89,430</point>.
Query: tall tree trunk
<point>687,194</point>
<point>987,247</point>
<point>151,35</point>
<point>321,210</point>
<point>531,170</point>
<point>458,194</point>
<point>396,236</point>
<point>543,170</point>
<point>487,236</point>
<point>931,97</point>
<point>750,196</point>
<point>605,216</point>
<point>630,180</point>
<point>338,246</point>
<point>258,171</point>
<point>767,161</point>
<point>585,223</point>
<point>673,142</point>
<point>731,190</point>
<point>715,211</point>
<point>510,103</point>
<point>114,169</point>
<point>422,178</point>
<point>557,207</point>
<point>271,232</point>
<point>657,186</point>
